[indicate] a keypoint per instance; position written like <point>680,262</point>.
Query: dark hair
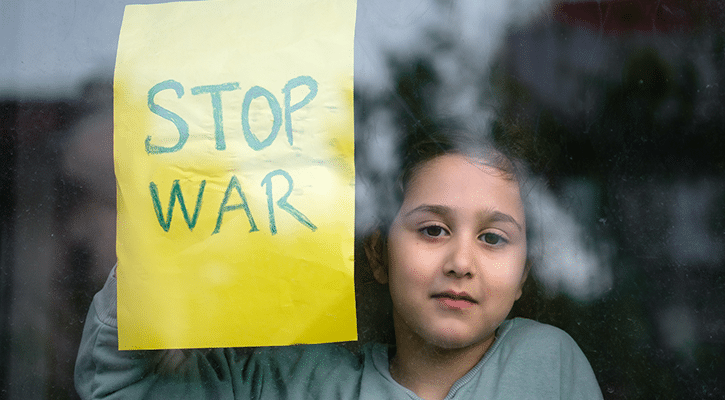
<point>418,151</point>
<point>458,142</point>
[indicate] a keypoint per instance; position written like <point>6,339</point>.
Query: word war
<point>224,207</point>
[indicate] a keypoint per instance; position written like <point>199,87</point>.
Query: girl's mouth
<point>455,300</point>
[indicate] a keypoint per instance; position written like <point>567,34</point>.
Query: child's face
<point>456,253</point>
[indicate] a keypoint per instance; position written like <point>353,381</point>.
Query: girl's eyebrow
<point>443,211</point>
<point>498,216</point>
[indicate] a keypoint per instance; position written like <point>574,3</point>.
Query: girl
<point>454,258</point>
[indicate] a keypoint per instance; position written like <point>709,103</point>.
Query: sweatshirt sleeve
<point>104,372</point>
<point>298,372</point>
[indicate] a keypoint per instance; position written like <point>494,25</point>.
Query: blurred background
<point>617,104</point>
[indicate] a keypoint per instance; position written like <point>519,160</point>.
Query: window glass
<point>616,105</point>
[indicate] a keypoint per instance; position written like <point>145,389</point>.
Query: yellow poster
<point>233,150</point>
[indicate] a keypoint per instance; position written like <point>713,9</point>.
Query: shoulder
<point>528,326</point>
<point>300,371</point>
<point>544,358</point>
<point>540,343</point>
<point>305,363</point>
<point>308,357</point>
<point>526,332</point>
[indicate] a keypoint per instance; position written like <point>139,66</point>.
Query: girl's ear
<point>375,250</point>
<point>527,269</point>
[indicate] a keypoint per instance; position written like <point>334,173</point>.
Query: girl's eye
<point>492,238</point>
<point>433,231</point>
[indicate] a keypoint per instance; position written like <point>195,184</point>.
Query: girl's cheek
<point>507,271</point>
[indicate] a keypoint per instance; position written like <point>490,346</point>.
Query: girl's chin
<point>451,341</point>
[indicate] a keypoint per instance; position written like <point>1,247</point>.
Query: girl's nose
<point>461,263</point>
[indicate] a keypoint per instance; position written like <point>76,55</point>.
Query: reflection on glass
<point>620,102</point>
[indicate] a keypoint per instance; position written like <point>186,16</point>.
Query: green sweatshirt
<point>528,360</point>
